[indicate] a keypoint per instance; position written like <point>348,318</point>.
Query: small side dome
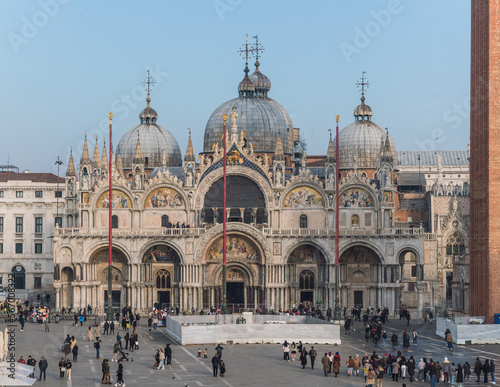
<point>246,87</point>
<point>261,82</point>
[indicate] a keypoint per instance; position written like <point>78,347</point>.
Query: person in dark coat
<point>303,357</point>
<point>168,354</point>
<point>477,369</point>
<point>466,368</point>
<point>219,349</point>
<point>486,370</point>
<point>75,352</point>
<point>42,365</point>
<point>460,374</point>
<point>127,339</point>
<point>312,355</point>
<point>215,364</point>
<point>31,362</point>
<point>222,368</point>
<point>411,368</point>
<point>394,341</point>
<point>406,340</point>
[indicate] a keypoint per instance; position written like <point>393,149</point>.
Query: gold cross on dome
<point>245,50</point>
<point>149,82</point>
<point>364,83</point>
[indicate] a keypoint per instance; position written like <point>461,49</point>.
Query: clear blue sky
<point>65,64</point>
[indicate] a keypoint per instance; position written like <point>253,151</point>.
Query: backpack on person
<point>95,345</point>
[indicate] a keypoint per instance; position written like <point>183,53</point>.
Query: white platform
<point>463,332</point>
<point>212,329</point>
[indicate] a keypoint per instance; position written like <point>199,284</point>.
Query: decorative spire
<point>330,153</point>
<point>363,112</point>
<point>148,114</point>
<point>261,83</point>
<point>386,153</point>
<point>96,159</point>
<point>138,158</point>
<point>119,163</point>
<point>71,165</point>
<point>246,87</point>
<point>189,150</point>
<point>85,159</point>
<point>104,158</point>
<point>278,153</point>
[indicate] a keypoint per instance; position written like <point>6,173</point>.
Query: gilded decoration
<point>164,198</point>
<point>306,254</point>
<point>356,197</point>
<point>161,253</point>
<point>238,248</point>
<point>302,197</point>
<point>119,200</point>
<point>101,256</point>
<point>359,254</point>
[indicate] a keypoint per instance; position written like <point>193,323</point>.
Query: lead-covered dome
<point>260,117</point>
<point>154,141</point>
<point>360,143</point>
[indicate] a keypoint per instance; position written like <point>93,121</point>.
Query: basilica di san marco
<point>403,217</point>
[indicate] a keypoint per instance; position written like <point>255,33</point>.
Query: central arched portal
<point>237,282</point>
<point>360,276</point>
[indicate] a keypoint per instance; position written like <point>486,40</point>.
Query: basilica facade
<point>403,217</point>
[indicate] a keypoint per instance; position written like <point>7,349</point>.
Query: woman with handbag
<point>62,368</point>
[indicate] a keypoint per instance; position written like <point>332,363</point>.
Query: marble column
<point>420,291</point>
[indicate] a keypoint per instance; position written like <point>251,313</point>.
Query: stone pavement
<point>247,364</point>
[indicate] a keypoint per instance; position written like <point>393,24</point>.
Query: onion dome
<point>359,142</point>
<point>261,82</point>
<point>156,143</point>
<point>246,87</point>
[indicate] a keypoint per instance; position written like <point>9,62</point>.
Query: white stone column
<point>420,290</point>
<point>58,298</point>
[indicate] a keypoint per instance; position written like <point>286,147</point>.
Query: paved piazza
<point>247,365</point>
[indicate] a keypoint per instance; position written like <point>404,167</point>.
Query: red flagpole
<point>110,245</point>
<point>337,194</point>
<point>224,267</point>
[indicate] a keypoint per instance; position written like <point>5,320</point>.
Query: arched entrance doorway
<point>360,274</point>
<point>308,276</point>
<point>163,288</point>
<point>66,287</point>
<point>99,274</point>
<point>237,282</point>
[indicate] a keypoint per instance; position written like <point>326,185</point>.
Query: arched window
<point>303,221</point>
<point>114,221</point>
<point>163,279</point>
<point>455,244</point>
<point>19,274</point>
<point>307,280</point>
<point>164,220</point>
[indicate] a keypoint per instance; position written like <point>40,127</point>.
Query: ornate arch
<point>303,181</point>
<point>236,170</point>
<point>246,230</point>
<point>307,242</point>
<point>251,274</point>
<point>116,246</point>
<point>371,246</point>
<point>141,201</point>
<point>98,193</point>
<point>368,189</point>
<point>144,249</point>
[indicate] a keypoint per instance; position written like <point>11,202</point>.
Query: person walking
<point>466,368</point>
<point>219,349</point>
<point>293,348</point>
<point>119,340</point>
<point>460,375</point>
<point>411,368</point>
<point>394,341</point>
<point>452,373</point>
<point>449,342</point>
<point>406,340</point>
<point>119,376</point>
<point>215,364</point>
<point>286,351</point>
<point>46,323</point>
<point>356,363</point>
<point>62,368</point>
<point>312,355</point>
<point>127,339</point>
<point>395,370</point>
<point>75,352</point>
<point>161,359</point>
<point>168,354</point>
<point>325,361</point>
<point>370,382</point>
<point>492,371</point>
<point>67,349</point>
<point>90,334</point>
<point>222,368</point>
<point>42,365</point>
<point>446,370</point>
<point>433,373</point>
<point>478,367</point>
<point>350,366</point>
<point>68,368</point>
<point>112,331</point>
<point>106,328</point>
<point>303,357</point>
<point>486,370</point>
<point>116,348</point>
<point>97,332</point>
<point>336,364</point>
<point>380,376</point>
<point>105,370</point>
<point>97,346</point>
<point>384,338</point>
<point>415,337</point>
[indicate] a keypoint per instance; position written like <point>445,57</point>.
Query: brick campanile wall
<point>485,159</point>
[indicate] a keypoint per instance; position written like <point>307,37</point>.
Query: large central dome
<point>154,141</point>
<point>260,117</point>
<point>360,142</point>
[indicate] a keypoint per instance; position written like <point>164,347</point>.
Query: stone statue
<point>277,198</point>
<point>303,158</point>
<point>190,199</point>
<point>137,181</point>
<point>279,179</point>
<point>189,179</point>
<point>234,116</point>
<point>85,182</point>
<point>455,204</point>
<point>70,187</point>
<point>331,180</point>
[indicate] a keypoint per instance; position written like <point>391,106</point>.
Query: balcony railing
<point>128,232</point>
<point>297,232</point>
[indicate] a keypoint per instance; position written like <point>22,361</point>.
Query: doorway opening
<point>358,298</point>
